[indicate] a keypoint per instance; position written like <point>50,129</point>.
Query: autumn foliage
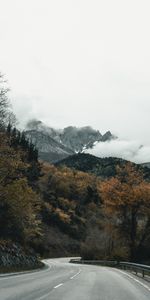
<point>18,202</point>
<point>57,210</point>
<point>127,210</point>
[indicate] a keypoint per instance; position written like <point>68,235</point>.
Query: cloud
<point>129,150</point>
<point>66,70</point>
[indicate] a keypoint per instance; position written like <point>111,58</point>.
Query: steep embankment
<point>14,258</point>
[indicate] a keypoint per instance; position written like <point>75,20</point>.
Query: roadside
<point>13,258</point>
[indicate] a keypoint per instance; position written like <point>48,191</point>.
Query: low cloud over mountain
<point>56,144</point>
<point>130,150</point>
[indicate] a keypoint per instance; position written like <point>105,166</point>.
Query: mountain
<point>102,167</point>
<point>146,165</point>
<point>56,144</point>
<point>79,139</point>
<point>49,149</point>
<point>82,138</point>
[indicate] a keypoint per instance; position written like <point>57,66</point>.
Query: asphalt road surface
<point>64,281</point>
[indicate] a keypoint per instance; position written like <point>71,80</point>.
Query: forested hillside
<point>94,208</point>
<point>101,167</point>
<point>19,201</point>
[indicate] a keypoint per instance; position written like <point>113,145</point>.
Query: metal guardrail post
<point>133,267</point>
<point>143,273</point>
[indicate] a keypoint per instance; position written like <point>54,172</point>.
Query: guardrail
<point>137,268</point>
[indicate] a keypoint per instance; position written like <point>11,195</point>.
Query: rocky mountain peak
<point>55,144</point>
<point>108,136</point>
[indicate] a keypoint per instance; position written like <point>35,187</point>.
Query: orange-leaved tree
<point>127,209</point>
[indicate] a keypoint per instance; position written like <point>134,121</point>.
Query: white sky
<point>79,62</point>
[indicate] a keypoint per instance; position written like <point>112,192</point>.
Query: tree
<point>127,207</point>
<point>19,204</point>
<point>21,207</point>
<point>4,103</point>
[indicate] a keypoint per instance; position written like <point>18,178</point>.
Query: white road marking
<point>44,296</point>
<point>76,274</point>
<point>136,280</point>
<point>57,286</point>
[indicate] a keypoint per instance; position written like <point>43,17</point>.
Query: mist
<point>131,150</point>
<point>81,63</point>
<point>125,149</point>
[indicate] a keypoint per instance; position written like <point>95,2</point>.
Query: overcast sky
<point>79,62</point>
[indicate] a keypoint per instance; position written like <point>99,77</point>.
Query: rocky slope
<point>79,139</point>
<point>56,144</point>
<point>49,149</point>
<point>14,258</point>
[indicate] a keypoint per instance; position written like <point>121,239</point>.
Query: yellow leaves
<point>19,193</point>
<point>127,204</point>
<point>67,204</point>
<point>23,207</point>
<point>128,189</point>
<point>129,174</point>
<point>11,165</point>
<point>19,203</point>
<point>67,183</point>
<point>62,215</point>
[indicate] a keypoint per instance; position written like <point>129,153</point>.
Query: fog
<point>129,150</point>
<point>80,63</point>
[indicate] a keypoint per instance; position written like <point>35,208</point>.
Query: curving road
<point>64,281</point>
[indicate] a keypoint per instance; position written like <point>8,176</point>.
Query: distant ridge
<point>146,165</point>
<point>55,144</point>
<point>102,167</point>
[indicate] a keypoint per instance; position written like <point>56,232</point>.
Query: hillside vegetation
<point>101,167</point>
<point>99,209</point>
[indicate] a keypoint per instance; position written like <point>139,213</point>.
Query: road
<point>64,281</point>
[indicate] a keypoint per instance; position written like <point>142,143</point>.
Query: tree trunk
<point>133,233</point>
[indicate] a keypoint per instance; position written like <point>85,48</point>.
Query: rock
<point>56,144</point>
<point>13,256</point>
